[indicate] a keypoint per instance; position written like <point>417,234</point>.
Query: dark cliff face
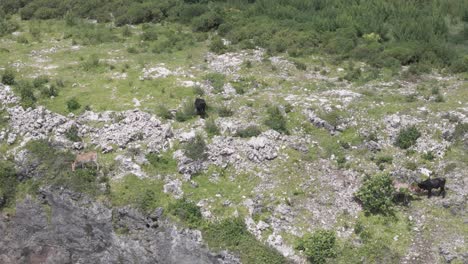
<point>63,227</point>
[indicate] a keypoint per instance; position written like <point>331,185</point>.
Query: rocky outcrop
<point>66,227</point>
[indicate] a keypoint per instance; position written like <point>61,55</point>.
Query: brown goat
<point>85,158</point>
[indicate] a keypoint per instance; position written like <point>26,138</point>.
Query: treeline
<point>382,32</point>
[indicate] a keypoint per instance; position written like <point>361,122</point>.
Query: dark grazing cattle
<point>200,106</point>
<point>430,184</point>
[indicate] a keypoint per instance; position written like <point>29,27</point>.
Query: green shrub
<point>162,162</point>
<point>300,65</point>
<point>195,148</point>
<point>407,137</point>
<point>149,34</point>
<point>460,131</point>
<point>73,104</point>
<point>207,21</point>
<point>211,128</point>
<point>197,90</point>
<point>186,211</point>
<point>186,112</point>
<point>72,134</point>
<point>91,63</point>
<point>318,246</point>
<point>163,112</point>
<point>376,194</point>
<point>232,234</point>
<point>26,92</point>
<point>276,120</point>
<point>49,91</point>
<point>217,45</point>
<point>8,183</point>
<point>216,80</point>
<point>40,81</point>
<point>429,156</point>
<point>384,159</point>
<point>8,76</point>
<point>250,131</point>
<point>225,111</point>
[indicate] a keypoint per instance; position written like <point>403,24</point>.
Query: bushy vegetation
<point>73,104</point>
<point>162,162</point>
<point>225,111</point>
<point>232,234</point>
<point>376,194</point>
<point>186,211</point>
<point>318,246</point>
<point>8,76</point>
<point>196,148</point>
<point>250,131</point>
<point>383,33</point>
<point>217,81</point>
<point>186,112</point>
<point>276,120</point>
<point>211,128</point>
<point>407,137</point>
<point>8,183</point>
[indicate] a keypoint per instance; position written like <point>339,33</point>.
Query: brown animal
<point>85,158</point>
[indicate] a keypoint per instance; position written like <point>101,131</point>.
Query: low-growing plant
<point>72,134</point>
<point>407,137</point>
<point>186,211</point>
<point>376,194</point>
<point>163,112</point>
<point>384,159</point>
<point>276,120</point>
<point>217,45</point>
<point>162,162</point>
<point>195,149</point>
<point>186,112</point>
<point>216,80</point>
<point>8,183</point>
<point>8,76</point>
<point>232,234</point>
<point>211,128</point>
<point>250,131</point>
<point>429,156</point>
<point>318,246</point>
<point>225,111</point>
<point>26,92</point>
<point>197,90</point>
<point>73,104</point>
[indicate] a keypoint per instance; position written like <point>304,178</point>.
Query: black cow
<point>200,106</point>
<point>430,184</point>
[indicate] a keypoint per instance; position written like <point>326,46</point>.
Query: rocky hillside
<point>279,161</point>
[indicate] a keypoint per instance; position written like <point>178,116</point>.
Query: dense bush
<point>195,148</point>
<point>211,128</point>
<point>232,234</point>
<point>72,134</point>
<point>186,211</point>
<point>276,120</point>
<point>250,131</point>
<point>73,104</point>
<point>163,112</point>
<point>225,111</point>
<point>216,80</point>
<point>8,76</point>
<point>407,137</point>
<point>376,194</point>
<point>8,183</point>
<point>162,162</point>
<point>217,45</point>
<point>26,92</point>
<point>318,246</point>
<point>380,32</point>
<point>186,112</point>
